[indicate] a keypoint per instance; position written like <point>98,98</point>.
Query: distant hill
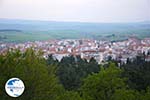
<point>34,25</point>
<point>10,30</point>
<point>55,29</point>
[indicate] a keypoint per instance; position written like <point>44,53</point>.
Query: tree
<point>31,68</point>
<point>138,74</point>
<point>105,85</point>
<point>92,66</point>
<point>51,60</point>
<point>69,95</point>
<point>124,94</point>
<point>146,95</point>
<point>72,70</point>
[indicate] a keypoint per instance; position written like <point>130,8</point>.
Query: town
<point>86,48</point>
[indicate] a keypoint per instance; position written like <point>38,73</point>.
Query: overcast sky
<point>77,10</point>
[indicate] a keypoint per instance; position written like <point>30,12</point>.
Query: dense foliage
<point>74,78</point>
<point>72,70</point>
<point>138,73</point>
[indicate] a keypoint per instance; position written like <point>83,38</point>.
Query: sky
<point>77,10</point>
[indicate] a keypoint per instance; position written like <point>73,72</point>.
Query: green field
<point>46,35</point>
<point>32,36</point>
<point>25,30</point>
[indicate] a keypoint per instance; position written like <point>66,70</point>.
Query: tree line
<point>74,78</point>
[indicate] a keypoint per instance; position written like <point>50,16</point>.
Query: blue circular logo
<point>14,87</point>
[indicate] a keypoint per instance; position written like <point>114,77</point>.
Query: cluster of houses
<point>101,51</point>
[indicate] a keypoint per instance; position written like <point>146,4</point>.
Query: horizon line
<point>46,20</point>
